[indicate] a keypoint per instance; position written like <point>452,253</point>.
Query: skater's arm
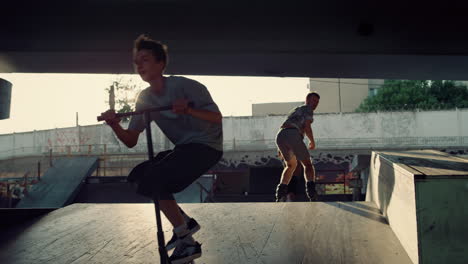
<point>309,134</point>
<point>180,106</point>
<point>213,117</point>
<point>204,107</point>
<point>127,136</point>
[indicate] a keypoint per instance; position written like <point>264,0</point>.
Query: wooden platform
<point>318,232</point>
<point>423,194</point>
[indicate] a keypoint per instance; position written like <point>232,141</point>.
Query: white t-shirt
<point>180,129</point>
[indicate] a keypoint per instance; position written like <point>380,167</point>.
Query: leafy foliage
<point>125,91</point>
<point>416,94</point>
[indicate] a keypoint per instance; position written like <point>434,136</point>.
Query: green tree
<point>122,95</point>
<point>416,94</point>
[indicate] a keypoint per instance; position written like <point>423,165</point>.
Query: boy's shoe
<point>281,192</point>
<point>311,192</point>
<point>185,252</point>
<point>192,226</point>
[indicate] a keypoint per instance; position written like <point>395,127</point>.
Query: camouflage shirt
<point>298,116</point>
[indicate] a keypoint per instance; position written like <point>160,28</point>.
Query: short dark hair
<point>311,94</point>
<point>158,49</point>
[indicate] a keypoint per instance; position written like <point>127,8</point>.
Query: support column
<point>5,99</point>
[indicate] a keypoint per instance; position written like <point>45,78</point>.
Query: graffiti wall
<point>332,169</point>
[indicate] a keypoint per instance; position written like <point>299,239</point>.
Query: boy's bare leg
<point>172,212</point>
<point>282,188</point>
<point>309,170</point>
<point>183,226</point>
<point>290,167</point>
<point>309,175</point>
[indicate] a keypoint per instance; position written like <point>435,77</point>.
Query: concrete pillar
<point>5,99</point>
<point>14,144</point>
<point>459,127</point>
<point>78,128</point>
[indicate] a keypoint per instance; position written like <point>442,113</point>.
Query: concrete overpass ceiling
<point>258,38</point>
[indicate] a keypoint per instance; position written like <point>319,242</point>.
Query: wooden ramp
<point>335,232</point>
<point>423,194</point>
<point>60,184</point>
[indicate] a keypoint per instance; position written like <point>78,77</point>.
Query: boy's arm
<point>127,136</point>
<point>180,106</point>
<point>205,108</point>
<point>213,117</point>
<point>309,133</point>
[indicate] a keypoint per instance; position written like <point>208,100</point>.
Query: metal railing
<point>247,145</point>
<point>356,143</point>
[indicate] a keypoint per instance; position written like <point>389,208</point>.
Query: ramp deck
<point>335,232</point>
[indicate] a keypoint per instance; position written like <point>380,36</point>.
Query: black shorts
<point>174,170</point>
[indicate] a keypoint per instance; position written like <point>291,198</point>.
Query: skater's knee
<point>291,164</point>
<point>307,164</point>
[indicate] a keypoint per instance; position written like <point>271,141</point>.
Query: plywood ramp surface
<point>231,233</point>
<point>429,163</point>
<point>60,184</point>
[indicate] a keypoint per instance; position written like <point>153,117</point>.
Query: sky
<point>47,101</point>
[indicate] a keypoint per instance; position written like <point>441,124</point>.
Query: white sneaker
<point>185,252</point>
<point>192,226</point>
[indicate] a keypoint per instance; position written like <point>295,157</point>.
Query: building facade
<point>337,95</point>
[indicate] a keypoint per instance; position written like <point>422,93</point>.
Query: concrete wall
<point>82,139</point>
<point>332,131</point>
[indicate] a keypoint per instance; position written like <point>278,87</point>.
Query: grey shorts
<point>291,144</point>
